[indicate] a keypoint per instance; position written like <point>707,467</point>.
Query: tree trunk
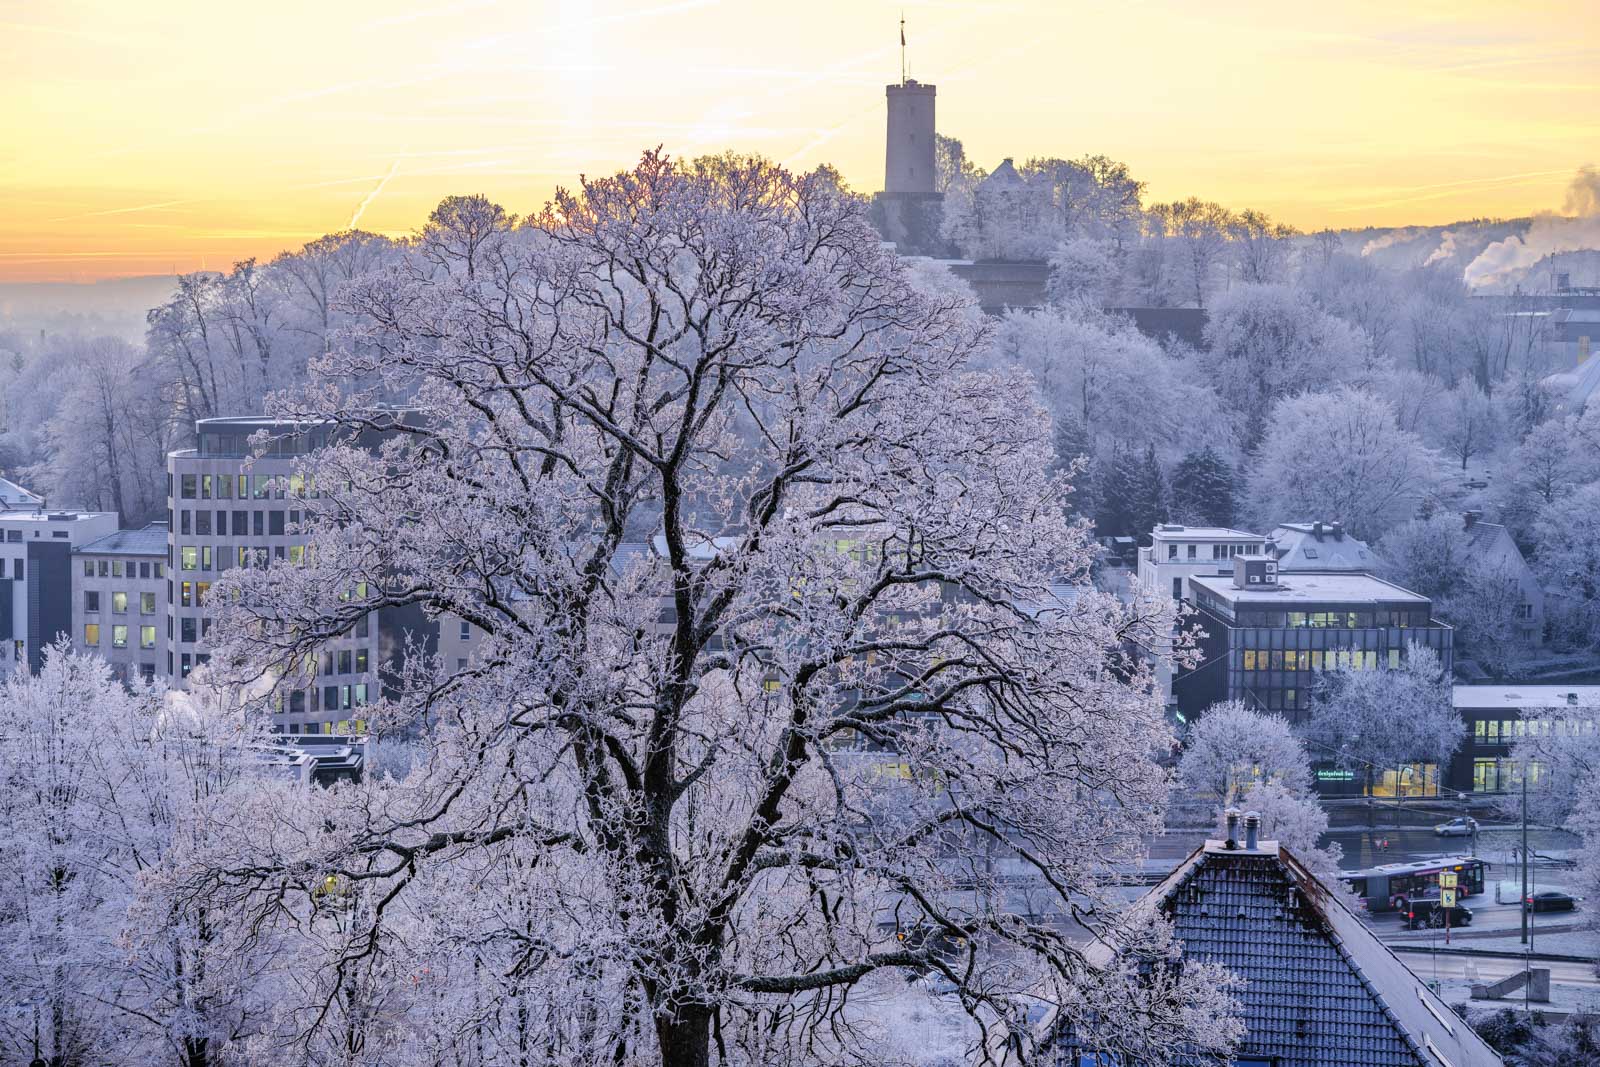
<point>685,1038</point>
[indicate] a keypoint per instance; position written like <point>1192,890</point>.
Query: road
<point>1405,844</point>
<point>1493,968</point>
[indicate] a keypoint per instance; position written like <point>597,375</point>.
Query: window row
<point>116,568</point>
<point>242,486</point>
<point>119,635</point>
<point>206,558</point>
<point>1317,660</point>
<point>1496,776</point>
<point>1347,620</point>
<point>119,602</point>
<point>1504,731</point>
<point>259,523</point>
<point>318,699</point>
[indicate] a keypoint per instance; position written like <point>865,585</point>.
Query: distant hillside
<point>115,306</point>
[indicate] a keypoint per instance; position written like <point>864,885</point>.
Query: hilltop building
<point>911,207</point>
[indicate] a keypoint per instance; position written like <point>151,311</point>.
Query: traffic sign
<point>1447,879</point>
<point>1447,898</point>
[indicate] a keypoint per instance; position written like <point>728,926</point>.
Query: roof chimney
<point>1252,827</point>
<point>1232,818</point>
<point>1470,519</point>
<point>1338,531</point>
<point>1316,529</point>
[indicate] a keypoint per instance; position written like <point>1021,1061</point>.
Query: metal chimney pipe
<point>1232,817</point>
<point>1252,827</point>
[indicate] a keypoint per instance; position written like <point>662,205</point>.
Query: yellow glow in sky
<point>142,137</point>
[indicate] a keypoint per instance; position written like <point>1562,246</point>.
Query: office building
<point>36,584</point>
<point>230,508</point>
<point>119,597</point>
<point>1269,638</point>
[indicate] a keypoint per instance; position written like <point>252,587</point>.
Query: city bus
<point>1379,886</point>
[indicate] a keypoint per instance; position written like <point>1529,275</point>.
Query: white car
<point>1465,826</point>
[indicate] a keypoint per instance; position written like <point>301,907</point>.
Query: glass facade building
<point>1268,646</point>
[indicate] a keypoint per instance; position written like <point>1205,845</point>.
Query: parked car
<point>1425,911</point>
<point>1462,826</point>
<point>1550,900</point>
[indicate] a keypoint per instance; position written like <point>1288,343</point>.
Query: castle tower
<point>909,148</point>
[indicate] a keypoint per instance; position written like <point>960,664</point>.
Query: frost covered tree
<point>1484,607</point>
<point>1374,721</point>
<point>1232,746</point>
<point>1267,342</point>
<point>1426,556</point>
<point>100,962</point>
<point>1341,455</point>
<point>1261,246</point>
<point>1112,379</point>
<point>681,802</point>
<point>1467,424</point>
<point>1567,560</point>
<point>1198,232</point>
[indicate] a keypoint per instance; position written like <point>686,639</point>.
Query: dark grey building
<point>1268,638</point>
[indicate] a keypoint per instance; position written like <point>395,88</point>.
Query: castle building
<point>910,208</point>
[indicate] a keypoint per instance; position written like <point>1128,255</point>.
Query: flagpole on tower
<point>902,48</point>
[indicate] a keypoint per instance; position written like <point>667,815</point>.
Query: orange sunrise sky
<point>144,137</point>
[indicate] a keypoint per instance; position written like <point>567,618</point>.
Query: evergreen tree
<point>1072,444</point>
<point>1204,488</point>
<point>1133,496</point>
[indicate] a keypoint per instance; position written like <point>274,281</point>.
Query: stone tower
<point>909,149</point>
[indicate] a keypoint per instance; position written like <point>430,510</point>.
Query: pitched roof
<point>1320,987</point>
<point>13,495</point>
<point>1314,546</point>
<point>1004,177</point>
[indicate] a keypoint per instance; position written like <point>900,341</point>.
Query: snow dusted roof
<point>150,541</point>
<point>1313,546</point>
<point>1334,588</point>
<point>1320,987</point>
<point>1525,697</point>
<point>1004,176</point>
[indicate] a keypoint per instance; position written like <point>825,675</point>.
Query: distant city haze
<point>150,138</point>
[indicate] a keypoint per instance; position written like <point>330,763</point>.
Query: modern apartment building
<point>119,597</point>
<point>1178,553</point>
<point>36,586</point>
<point>230,508</point>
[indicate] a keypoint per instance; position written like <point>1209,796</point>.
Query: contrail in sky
<point>370,197</point>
